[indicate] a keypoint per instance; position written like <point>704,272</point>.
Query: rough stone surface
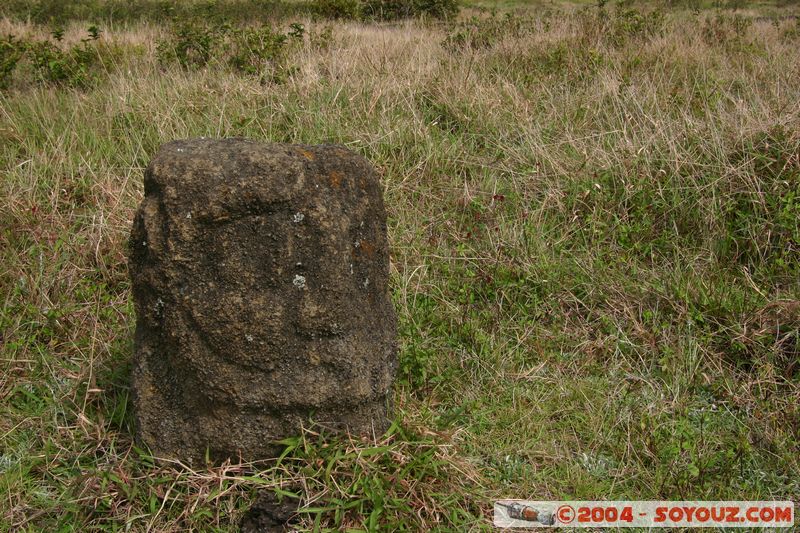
<point>260,280</point>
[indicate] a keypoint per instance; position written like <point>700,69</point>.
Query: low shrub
<point>260,52</point>
<point>51,63</point>
<point>621,25</point>
<point>388,10</point>
<point>190,43</point>
<point>477,33</point>
<point>337,9</point>
<point>257,51</point>
<point>725,29</point>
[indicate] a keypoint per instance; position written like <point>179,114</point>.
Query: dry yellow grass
<point>594,225</point>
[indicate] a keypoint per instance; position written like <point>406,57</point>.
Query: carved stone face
<point>269,302</point>
<point>261,286</point>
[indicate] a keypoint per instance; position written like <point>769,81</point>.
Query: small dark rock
<point>268,515</point>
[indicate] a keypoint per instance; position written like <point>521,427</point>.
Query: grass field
<point>595,231</point>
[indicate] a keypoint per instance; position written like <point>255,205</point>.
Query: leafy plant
<point>296,30</point>
<point>72,67</point>
<point>11,51</point>
<point>191,43</point>
<point>94,32</point>
<point>762,216</point>
<point>254,49</point>
<point>58,33</point>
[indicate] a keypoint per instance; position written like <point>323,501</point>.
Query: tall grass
<point>595,258</point>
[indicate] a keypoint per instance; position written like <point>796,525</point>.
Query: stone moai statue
<point>260,280</point>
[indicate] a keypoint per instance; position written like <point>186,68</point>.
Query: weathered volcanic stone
<point>260,281</point>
